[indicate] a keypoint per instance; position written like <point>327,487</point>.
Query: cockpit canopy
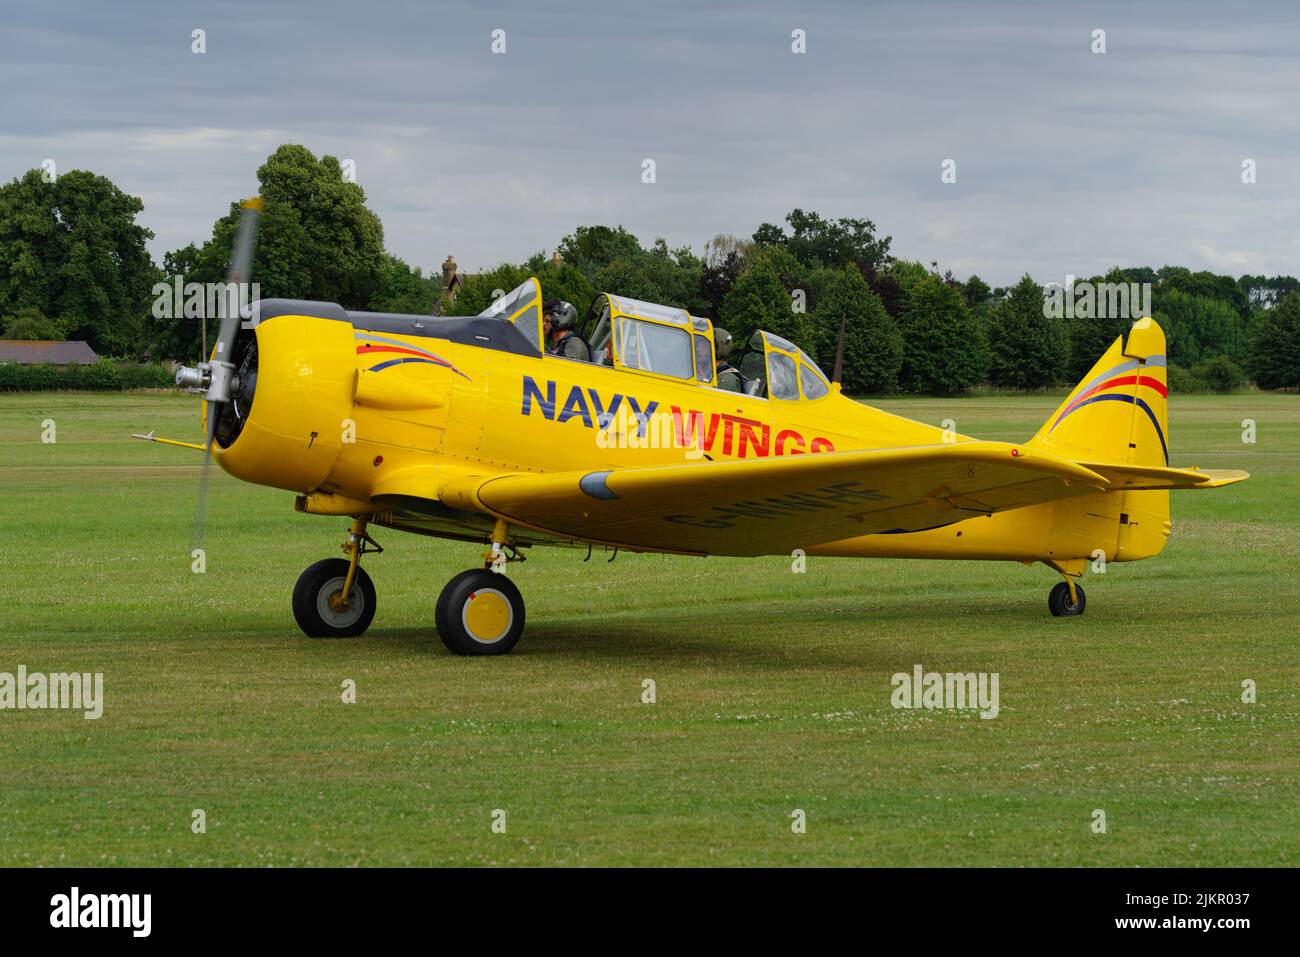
<point>653,339</point>
<point>777,368</point>
<point>523,307</point>
<point>648,337</point>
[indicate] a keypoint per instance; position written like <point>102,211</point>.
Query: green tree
<point>72,248</point>
<point>757,300</point>
<point>717,279</point>
<point>1274,361</point>
<point>815,241</point>
<point>1027,349</point>
<point>884,283</point>
<point>907,273</point>
<point>1220,374</point>
<point>630,276</point>
<point>671,277</point>
<point>345,240</point>
<point>405,289</point>
<point>565,281</point>
<point>977,292</point>
<point>592,248</point>
<point>873,346</point>
<point>177,336</point>
<point>29,323</point>
<point>1141,274</point>
<point>1092,334</point>
<point>677,274</point>
<point>1199,327</point>
<point>316,239</point>
<point>768,235</point>
<point>792,272</point>
<point>943,345</point>
<point>1184,381</point>
<point>597,259</point>
<point>1209,286</point>
<point>479,290</point>
<point>813,285</point>
<point>1264,293</point>
<point>281,261</point>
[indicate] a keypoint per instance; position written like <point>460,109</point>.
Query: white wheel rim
<point>510,620</point>
<point>348,616</point>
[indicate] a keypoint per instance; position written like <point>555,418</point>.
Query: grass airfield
<point>773,688</point>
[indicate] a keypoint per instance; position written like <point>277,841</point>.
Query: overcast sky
<point>1067,160</point>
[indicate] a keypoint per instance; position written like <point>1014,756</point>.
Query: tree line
<point>74,264</point>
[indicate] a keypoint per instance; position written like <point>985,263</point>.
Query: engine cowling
<point>295,379</point>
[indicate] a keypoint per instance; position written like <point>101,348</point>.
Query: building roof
<point>38,351</point>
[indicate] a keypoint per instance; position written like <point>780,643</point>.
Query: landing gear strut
<point>481,612</point>
<point>335,598</point>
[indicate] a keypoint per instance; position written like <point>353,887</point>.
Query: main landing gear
<point>480,612</point>
<point>335,598</point>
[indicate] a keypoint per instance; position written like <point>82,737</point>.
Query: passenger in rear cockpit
<point>728,375</point>
<point>558,321</point>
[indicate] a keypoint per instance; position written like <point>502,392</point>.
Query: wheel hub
<point>487,615</point>
<point>338,613</point>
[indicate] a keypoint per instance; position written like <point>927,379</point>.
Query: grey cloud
<point>1067,161</point>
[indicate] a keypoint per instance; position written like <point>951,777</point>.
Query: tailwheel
<point>480,612</point>
<point>1064,605</point>
<point>319,604</point>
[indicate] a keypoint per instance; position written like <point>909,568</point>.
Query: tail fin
<point>1119,413</point>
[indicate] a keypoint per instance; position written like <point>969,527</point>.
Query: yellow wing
<point>774,505</point>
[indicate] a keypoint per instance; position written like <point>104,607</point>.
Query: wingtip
<point>1216,478</point>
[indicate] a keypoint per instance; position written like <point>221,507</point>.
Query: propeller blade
<point>221,368</point>
<point>241,263</point>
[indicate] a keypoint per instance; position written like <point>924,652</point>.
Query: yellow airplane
<point>466,428</point>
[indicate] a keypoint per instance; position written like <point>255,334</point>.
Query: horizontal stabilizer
<point>1150,477</point>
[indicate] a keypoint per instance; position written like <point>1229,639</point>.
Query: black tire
<point>505,607</point>
<point>1058,601</point>
<point>311,605</point>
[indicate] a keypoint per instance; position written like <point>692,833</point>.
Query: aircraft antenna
<point>839,353</point>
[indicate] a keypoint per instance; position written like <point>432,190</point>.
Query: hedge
<point>1219,374</point>
<point>107,375</point>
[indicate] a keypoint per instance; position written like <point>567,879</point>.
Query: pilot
<point>558,321</point>
<point>728,375</point>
